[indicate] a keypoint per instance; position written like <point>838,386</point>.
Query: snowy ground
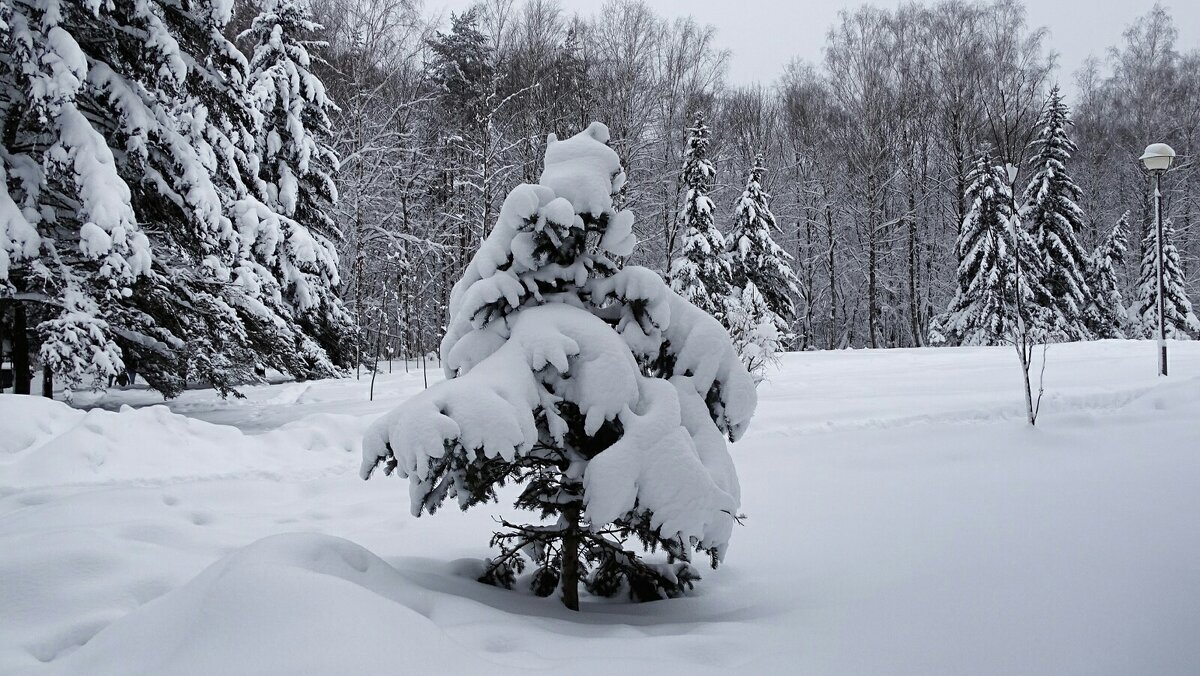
<point>902,520</point>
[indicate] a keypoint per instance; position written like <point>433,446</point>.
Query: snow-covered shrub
<point>601,392</point>
<point>756,331</point>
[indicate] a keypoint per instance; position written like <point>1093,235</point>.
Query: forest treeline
<point>203,190</point>
<point>867,153</point>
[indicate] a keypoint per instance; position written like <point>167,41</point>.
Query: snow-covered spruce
<point>296,162</point>
<point>607,396</point>
<point>700,272</point>
<point>1053,218</point>
<point>132,232</point>
<point>296,166</point>
<point>998,272</point>
<point>1181,321</point>
<point>755,330</point>
<point>763,279</point>
<point>1107,315</point>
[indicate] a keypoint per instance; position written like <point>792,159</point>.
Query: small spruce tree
<point>1107,315</point>
<point>999,270</point>
<point>607,397</point>
<point>755,259</point>
<point>755,330</point>
<point>1054,218</point>
<point>1181,322</point>
<point>701,271</point>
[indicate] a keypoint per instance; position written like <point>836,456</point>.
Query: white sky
<point>765,34</point>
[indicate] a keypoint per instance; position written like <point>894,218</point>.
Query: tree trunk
<point>1030,415</point>
<point>832,269</point>
<point>914,302</point>
<point>570,557</point>
<point>22,375</point>
<point>47,382</point>
<point>872,264</point>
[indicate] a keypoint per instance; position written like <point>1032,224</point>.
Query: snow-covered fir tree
<point>296,165</point>
<point>1054,218</point>
<point>296,162</point>
<point>605,395</point>
<point>700,272</point>
<point>757,261</point>
<point>754,329</point>
<point>1181,321</point>
<point>132,231</point>
<point>999,269</point>
<point>1107,315</point>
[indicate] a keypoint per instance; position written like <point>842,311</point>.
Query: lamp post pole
<point>1162,322</point>
<point>1157,159</point>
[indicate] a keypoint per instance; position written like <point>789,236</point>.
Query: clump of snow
<point>19,239</point>
<point>583,170</point>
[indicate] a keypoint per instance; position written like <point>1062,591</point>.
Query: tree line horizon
<point>865,160</point>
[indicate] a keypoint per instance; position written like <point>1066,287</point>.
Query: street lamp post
<point>1157,159</point>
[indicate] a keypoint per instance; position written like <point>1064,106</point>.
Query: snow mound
<point>48,443</point>
<point>287,604</point>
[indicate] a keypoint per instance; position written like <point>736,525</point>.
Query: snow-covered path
<point>901,519</point>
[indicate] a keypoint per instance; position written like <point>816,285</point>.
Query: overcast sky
<point>765,34</point>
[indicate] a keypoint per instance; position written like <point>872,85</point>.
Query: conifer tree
<point>130,207</point>
<point>462,70</point>
<point>296,163</point>
<point>1107,315</point>
<point>602,393</point>
<point>571,84</point>
<point>1054,218</point>
<point>296,166</point>
<point>1181,321</point>
<point>755,259</point>
<point>999,270</point>
<point>701,271</point>
<point>757,332</point>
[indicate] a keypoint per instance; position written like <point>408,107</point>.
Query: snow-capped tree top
<point>999,268</point>
<point>701,274</point>
<point>756,258</point>
<point>270,30</point>
<point>297,162</point>
<point>1051,151</point>
<point>698,170</point>
<point>539,243</point>
<point>584,171</point>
